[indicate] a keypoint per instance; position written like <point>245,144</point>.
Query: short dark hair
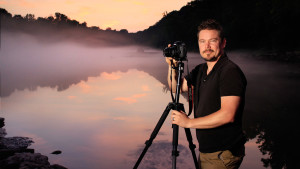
<point>211,24</point>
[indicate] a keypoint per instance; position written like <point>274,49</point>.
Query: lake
<point>99,105</point>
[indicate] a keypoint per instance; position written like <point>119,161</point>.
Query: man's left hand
<point>180,118</point>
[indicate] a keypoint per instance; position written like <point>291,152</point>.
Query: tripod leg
<point>175,152</point>
<point>191,146</point>
<point>154,133</point>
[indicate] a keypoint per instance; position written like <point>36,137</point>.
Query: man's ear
<point>223,43</point>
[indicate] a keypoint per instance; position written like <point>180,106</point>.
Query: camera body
<point>177,51</point>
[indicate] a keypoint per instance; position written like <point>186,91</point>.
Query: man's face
<point>210,45</point>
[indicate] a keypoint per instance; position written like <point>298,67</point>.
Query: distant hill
<point>62,28</point>
<point>268,25</point>
<point>248,24</point>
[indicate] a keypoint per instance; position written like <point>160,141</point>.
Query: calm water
<point>99,105</point>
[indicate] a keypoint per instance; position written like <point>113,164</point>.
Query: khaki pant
<point>221,159</point>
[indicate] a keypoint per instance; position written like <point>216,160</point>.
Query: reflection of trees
<point>159,156</point>
<point>271,116</point>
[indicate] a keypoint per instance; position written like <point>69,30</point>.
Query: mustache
<point>208,50</point>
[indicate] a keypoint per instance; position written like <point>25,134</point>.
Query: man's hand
<point>180,118</point>
<point>169,60</point>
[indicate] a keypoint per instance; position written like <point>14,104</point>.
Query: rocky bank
<point>15,154</point>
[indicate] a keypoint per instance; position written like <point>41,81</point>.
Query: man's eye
<point>213,40</point>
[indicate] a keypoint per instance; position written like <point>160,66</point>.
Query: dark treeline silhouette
<point>61,27</point>
<point>249,24</point>
<point>267,25</point>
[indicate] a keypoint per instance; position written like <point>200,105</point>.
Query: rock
<point>14,153</point>
<point>26,160</point>
<point>5,153</point>
<point>2,124</point>
<point>56,152</point>
<point>56,166</point>
<point>15,142</point>
<point>2,133</point>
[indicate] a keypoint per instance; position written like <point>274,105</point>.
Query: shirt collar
<point>221,60</point>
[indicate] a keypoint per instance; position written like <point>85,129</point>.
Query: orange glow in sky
<point>133,15</point>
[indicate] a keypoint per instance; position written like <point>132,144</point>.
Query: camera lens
<point>177,51</point>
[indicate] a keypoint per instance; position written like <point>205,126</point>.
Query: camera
<point>177,51</point>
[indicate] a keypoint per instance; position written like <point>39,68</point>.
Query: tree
<point>61,17</point>
<point>83,24</point>
<point>4,13</point>
<point>124,31</point>
<point>29,17</point>
<point>50,18</point>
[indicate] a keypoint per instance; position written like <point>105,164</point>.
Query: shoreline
<point>14,153</point>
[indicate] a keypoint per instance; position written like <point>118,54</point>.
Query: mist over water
<point>27,62</point>
<point>100,98</point>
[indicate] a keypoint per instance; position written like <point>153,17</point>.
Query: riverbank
<point>15,154</point>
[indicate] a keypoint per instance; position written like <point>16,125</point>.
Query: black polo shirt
<point>225,79</point>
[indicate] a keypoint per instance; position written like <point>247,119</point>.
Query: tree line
<point>249,24</point>
<point>61,27</point>
<point>58,19</point>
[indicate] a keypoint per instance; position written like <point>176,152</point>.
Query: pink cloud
<point>131,99</point>
<point>111,76</point>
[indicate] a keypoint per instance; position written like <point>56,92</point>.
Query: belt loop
<point>220,156</point>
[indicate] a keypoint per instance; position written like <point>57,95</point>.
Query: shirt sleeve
<point>232,82</point>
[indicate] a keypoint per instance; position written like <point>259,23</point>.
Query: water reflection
<point>99,105</point>
<point>92,122</point>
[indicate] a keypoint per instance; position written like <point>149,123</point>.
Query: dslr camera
<point>177,51</point>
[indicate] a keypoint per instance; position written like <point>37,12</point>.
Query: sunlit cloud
<point>95,118</point>
<point>85,87</point>
<point>72,97</point>
<point>128,119</point>
<point>131,99</point>
<point>112,76</point>
<point>146,88</point>
<point>128,100</point>
<point>139,95</point>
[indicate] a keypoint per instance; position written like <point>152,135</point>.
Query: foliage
<point>252,24</point>
<point>61,27</point>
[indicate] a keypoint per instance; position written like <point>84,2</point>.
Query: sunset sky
<point>133,15</point>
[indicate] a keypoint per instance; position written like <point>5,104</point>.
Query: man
<point>219,93</point>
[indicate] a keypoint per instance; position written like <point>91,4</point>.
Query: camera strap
<point>190,93</point>
<point>190,89</point>
<point>171,75</point>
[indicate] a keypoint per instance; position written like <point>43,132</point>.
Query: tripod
<point>175,105</point>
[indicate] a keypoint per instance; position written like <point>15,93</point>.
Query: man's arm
<point>184,86</point>
<point>226,114</point>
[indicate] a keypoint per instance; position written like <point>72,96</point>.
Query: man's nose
<point>207,45</point>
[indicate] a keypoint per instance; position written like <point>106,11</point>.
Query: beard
<point>209,55</point>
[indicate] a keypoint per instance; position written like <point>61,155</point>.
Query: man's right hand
<point>169,60</point>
